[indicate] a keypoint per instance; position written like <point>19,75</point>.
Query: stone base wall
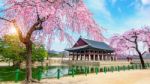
<point>97,63</point>
<point>66,62</point>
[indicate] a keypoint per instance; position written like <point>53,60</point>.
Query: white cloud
<point>142,16</point>
<point>99,6</point>
<point>145,2</point>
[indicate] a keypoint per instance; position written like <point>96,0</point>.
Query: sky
<point>115,16</point>
<point>118,16</point>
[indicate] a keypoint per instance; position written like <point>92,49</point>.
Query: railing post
<point>88,70</point>
<point>118,68</point>
<point>148,65</point>
<point>39,74</point>
<point>136,66</point>
<point>85,71</point>
<point>132,66</point>
<point>72,72</point>
<point>128,67</point>
<point>58,73</point>
<point>17,75</point>
<point>112,68</point>
<point>124,67</point>
<point>105,71</point>
<point>96,70</point>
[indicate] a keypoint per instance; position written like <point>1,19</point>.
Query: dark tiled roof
<point>77,48</point>
<point>93,44</point>
<point>98,45</point>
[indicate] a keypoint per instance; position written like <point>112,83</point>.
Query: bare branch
<point>128,39</point>
<point>49,1</point>
<point>16,27</point>
<point>5,19</point>
<point>143,53</point>
<point>133,47</point>
<point>18,31</point>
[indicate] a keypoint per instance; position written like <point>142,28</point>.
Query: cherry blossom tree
<point>42,20</point>
<point>131,40</point>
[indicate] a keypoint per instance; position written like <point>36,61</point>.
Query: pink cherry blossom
<point>63,16</point>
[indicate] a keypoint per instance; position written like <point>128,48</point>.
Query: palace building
<point>90,50</point>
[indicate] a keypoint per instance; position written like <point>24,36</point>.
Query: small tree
<point>39,54</point>
<point>130,41</point>
<point>11,49</point>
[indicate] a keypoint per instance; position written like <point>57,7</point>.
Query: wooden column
<point>94,56</point>
<point>89,55</point>
<point>102,58</point>
<point>72,55</point>
<point>109,56</point>
<point>69,56</point>
<point>84,56</point>
<point>98,57</point>
<point>77,56</point>
<point>81,55</point>
<point>113,57</point>
<point>106,57</point>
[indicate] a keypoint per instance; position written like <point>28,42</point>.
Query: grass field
<point>9,73</point>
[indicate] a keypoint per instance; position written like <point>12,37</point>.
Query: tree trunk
<point>28,62</point>
<point>141,58</point>
<point>140,54</point>
<point>142,61</point>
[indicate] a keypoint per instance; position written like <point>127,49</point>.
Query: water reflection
<point>51,71</point>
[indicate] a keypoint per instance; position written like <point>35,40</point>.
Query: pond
<point>52,71</point>
<point>8,73</point>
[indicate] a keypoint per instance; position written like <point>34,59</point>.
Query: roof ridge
<point>86,41</point>
<point>92,40</point>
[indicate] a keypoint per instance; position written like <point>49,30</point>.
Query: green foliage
<point>11,49</point>
<point>8,73</point>
<point>54,55</point>
<point>38,54</point>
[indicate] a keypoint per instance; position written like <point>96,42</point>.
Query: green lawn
<point>9,73</point>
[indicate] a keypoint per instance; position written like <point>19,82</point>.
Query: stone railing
<point>96,63</point>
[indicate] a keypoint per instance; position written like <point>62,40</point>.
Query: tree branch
<point>5,19</point>
<point>128,39</point>
<point>18,31</point>
<point>143,53</point>
<point>16,27</point>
